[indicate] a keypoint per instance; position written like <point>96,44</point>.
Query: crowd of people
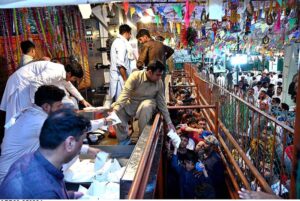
<point>40,136</point>
<point>195,168</point>
<point>263,90</point>
<point>40,99</point>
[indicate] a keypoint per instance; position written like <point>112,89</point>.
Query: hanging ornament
<point>224,18</point>
<point>248,26</point>
<point>266,40</point>
<point>203,31</point>
<point>126,6</point>
<point>157,20</point>
<point>204,16</point>
<point>17,35</point>
<point>161,9</point>
<point>165,23</point>
<point>171,25</point>
<point>269,17</point>
<point>277,25</point>
<point>192,7</point>
<point>187,14</point>
<point>214,28</point>
<point>250,9</point>
<point>178,27</point>
<point>132,11</point>
<point>178,10</point>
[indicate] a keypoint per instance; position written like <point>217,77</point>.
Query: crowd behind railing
<point>264,133</point>
<point>262,89</point>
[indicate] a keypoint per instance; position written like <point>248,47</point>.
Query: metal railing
<point>140,181</point>
<point>258,143</point>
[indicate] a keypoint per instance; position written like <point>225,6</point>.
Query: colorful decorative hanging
<point>187,14</point>
<point>56,32</point>
<point>234,16</point>
<point>178,10</point>
<point>178,27</point>
<point>266,40</point>
<point>126,6</point>
<point>248,26</point>
<point>203,16</point>
<point>191,36</point>
<point>250,9</point>
<point>132,10</point>
<point>214,28</point>
<point>203,31</point>
<point>277,25</point>
<point>269,16</point>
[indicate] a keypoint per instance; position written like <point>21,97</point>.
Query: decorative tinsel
<point>191,36</point>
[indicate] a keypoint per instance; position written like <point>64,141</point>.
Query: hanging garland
<point>3,22</point>
<point>23,17</point>
<point>9,36</point>
<point>19,24</point>
<point>17,35</point>
<point>43,32</point>
<point>56,31</point>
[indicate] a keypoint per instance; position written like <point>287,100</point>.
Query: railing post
<point>216,119</point>
<point>296,156</point>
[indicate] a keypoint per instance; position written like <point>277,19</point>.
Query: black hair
<point>193,120</point>
<point>271,85</point>
<point>285,106</point>
<point>160,38</point>
<point>72,66</point>
<point>205,191</point>
<point>156,65</point>
<point>184,135</point>
<point>277,100</point>
<point>124,28</point>
<point>26,46</point>
<point>259,83</point>
<point>279,83</point>
<point>60,125</point>
<point>191,156</point>
<point>48,94</point>
<point>280,76</point>
<point>203,119</point>
<point>143,32</point>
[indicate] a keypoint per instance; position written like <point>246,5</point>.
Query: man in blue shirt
<point>38,175</point>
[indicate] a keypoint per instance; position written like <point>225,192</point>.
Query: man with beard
<point>213,164</point>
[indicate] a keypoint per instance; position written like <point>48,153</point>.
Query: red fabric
<point>112,132</point>
<point>289,151</point>
<point>195,136</point>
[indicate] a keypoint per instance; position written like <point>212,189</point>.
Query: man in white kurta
<point>120,55</point>
<point>22,85</point>
<point>22,136</point>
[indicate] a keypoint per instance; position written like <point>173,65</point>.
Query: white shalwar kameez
<point>119,56</point>
<point>22,85</point>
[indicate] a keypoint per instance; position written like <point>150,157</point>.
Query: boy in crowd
<point>187,180</point>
